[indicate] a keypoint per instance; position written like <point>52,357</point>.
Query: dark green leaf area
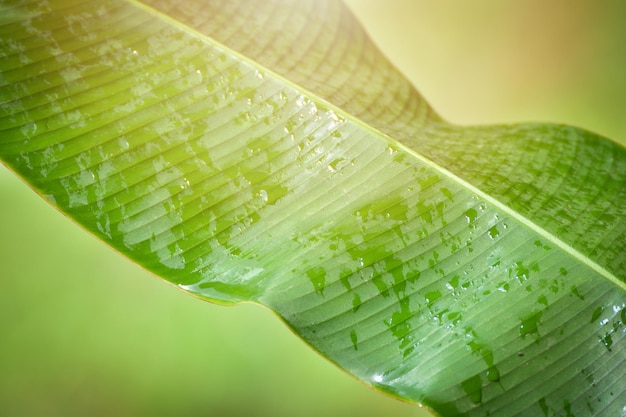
<point>569,181</point>
<point>412,332</point>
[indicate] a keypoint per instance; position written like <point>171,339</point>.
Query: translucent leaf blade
<point>236,184</point>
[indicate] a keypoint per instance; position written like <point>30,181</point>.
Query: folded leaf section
<point>237,185</point>
<point>316,44</point>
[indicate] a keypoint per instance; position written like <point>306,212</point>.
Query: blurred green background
<point>84,332</point>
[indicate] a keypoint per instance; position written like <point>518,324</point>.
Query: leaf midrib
<point>388,140</point>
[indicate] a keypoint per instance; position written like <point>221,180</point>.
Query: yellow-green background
<point>84,332</point>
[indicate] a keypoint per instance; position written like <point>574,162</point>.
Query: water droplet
<point>354,339</point>
<point>447,193</point>
<point>356,303</point>
<point>334,165</point>
<point>493,232</point>
<point>473,388</point>
<point>529,324</point>
<point>493,374</point>
<point>541,245</point>
<point>470,215</point>
<point>317,276</point>
<point>432,296</point>
<point>455,317</point>
<point>519,271</point>
<point>453,284</point>
<point>596,314</point>
<point>577,293</point>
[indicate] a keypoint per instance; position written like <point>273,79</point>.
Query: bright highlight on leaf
<point>266,152</point>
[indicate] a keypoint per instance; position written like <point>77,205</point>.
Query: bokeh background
<point>84,332</point>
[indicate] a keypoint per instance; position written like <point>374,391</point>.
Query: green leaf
<point>477,270</point>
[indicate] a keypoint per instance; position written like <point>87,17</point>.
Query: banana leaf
<point>267,152</point>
